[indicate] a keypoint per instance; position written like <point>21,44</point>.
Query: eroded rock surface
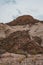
<point>20,42</point>
<point>16,59</point>
<point>20,38</point>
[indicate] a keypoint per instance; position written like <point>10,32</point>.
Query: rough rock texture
<point>20,42</point>
<point>16,59</point>
<point>23,20</point>
<point>5,31</point>
<point>37,30</point>
<point>19,39</point>
<point>37,39</point>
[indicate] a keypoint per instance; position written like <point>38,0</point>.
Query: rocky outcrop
<point>20,42</point>
<point>37,39</point>
<point>37,30</point>
<point>17,59</point>
<point>23,20</point>
<point>5,31</point>
<point>22,38</point>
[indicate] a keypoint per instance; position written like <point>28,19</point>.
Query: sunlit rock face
<point>17,59</point>
<point>37,30</point>
<point>35,26</point>
<point>5,30</point>
<point>20,42</point>
<point>21,38</point>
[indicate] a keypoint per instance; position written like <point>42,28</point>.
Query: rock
<point>23,20</point>
<point>16,59</point>
<point>37,30</point>
<point>19,42</point>
<point>37,39</point>
<point>5,31</point>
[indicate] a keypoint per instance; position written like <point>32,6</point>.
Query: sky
<point>11,9</point>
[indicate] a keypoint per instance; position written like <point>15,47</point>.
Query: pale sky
<point>10,9</point>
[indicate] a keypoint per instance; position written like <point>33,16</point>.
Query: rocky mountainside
<point>23,20</point>
<point>21,42</point>
<point>22,36</point>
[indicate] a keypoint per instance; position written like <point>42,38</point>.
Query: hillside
<point>23,20</point>
<point>21,40</point>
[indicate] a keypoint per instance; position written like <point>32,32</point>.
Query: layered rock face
<point>20,41</point>
<point>23,20</point>
<point>22,37</point>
